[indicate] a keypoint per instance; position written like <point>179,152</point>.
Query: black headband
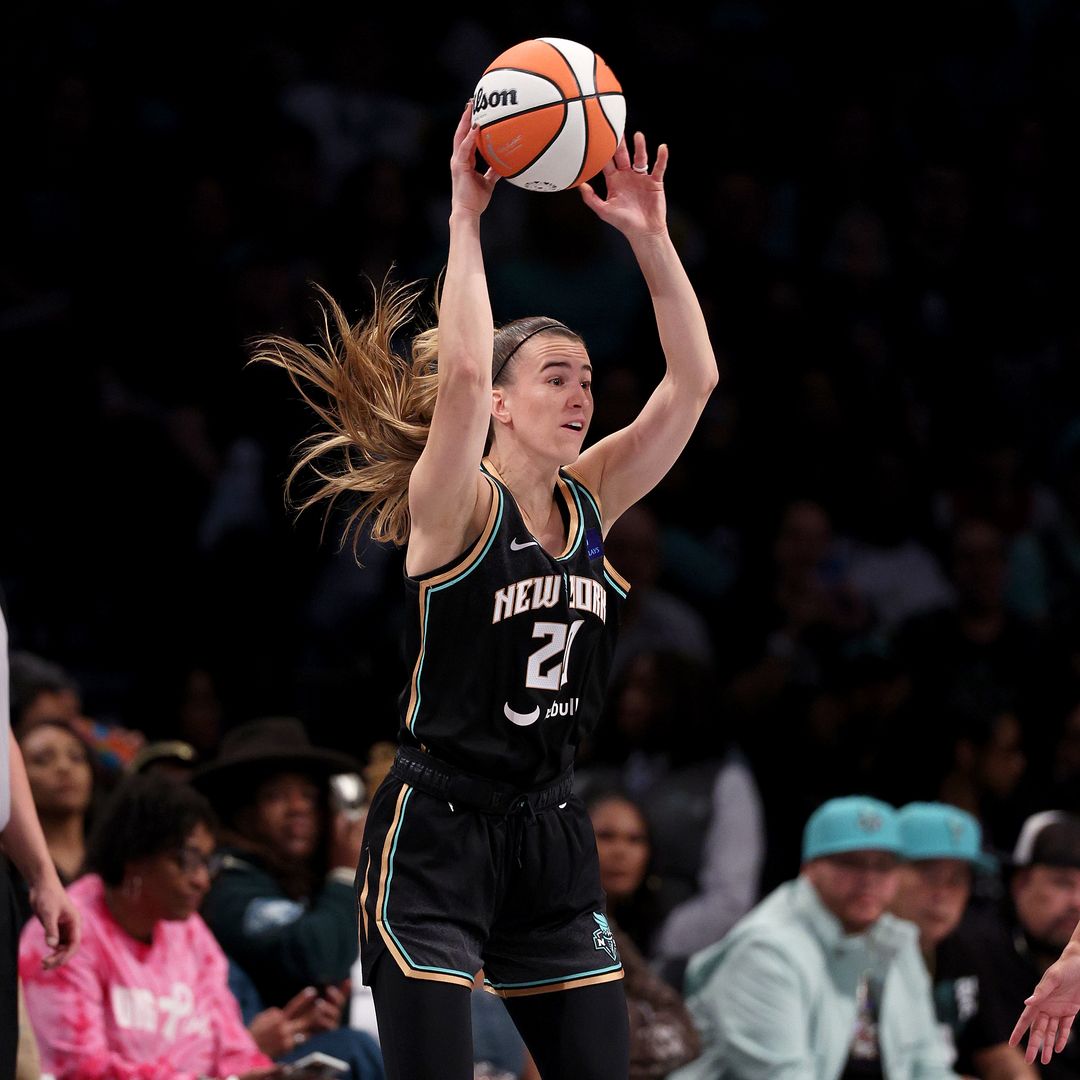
<point>552,324</point>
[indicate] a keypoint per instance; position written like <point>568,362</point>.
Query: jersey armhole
<point>593,497</point>
<point>474,552</point>
<point>615,579</point>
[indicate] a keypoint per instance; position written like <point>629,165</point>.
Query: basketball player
<point>476,851</point>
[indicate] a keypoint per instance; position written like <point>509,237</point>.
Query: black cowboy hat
<point>261,747</point>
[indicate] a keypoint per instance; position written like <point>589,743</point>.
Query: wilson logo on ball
<point>485,100</point>
<point>550,114</point>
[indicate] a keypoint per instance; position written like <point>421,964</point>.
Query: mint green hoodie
<point>776,998</point>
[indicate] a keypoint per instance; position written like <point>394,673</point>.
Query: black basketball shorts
<point>446,889</point>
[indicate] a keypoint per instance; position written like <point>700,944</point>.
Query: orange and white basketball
<point>550,113</point>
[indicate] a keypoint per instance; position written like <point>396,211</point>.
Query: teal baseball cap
<point>851,823</point>
<point>932,830</point>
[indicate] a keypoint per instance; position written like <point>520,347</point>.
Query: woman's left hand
<point>635,202</point>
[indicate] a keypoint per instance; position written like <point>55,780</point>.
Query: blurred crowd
<point>862,577</point>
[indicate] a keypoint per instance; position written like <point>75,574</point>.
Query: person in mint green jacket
<point>819,982</point>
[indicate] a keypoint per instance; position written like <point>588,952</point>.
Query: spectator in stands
<point>1020,939</point>
<point>61,775</point>
<point>652,618</point>
<point>789,635</point>
<point>147,994</point>
<point>942,846</point>
<point>169,757</point>
<point>986,762</point>
<point>42,690</point>
<point>625,850</point>
<point>283,905</point>
<point>662,1035</point>
<point>954,651</point>
<point>819,980</point>
<point>666,746</point>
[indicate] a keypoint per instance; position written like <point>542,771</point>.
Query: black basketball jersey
<point>511,646</point>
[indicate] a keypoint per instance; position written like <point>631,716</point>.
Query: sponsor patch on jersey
<point>594,543</point>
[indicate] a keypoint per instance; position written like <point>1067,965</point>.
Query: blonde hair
<point>376,404</point>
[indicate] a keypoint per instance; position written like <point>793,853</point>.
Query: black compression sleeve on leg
<point>579,1034</point>
<point>425,1027</point>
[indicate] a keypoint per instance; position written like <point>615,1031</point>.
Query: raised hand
<point>635,203</point>
<point>471,190</point>
<point>1051,1009</point>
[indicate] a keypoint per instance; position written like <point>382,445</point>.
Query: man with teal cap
<point>819,981</point>
<point>942,848</point>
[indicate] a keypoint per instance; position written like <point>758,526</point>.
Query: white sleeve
<point>730,870</point>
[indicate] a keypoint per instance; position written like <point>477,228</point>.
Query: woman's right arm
<point>446,488</point>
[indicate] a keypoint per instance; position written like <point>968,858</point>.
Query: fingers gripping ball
<point>550,113</point>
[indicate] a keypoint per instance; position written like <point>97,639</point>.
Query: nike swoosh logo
<point>515,546</point>
<point>520,718</point>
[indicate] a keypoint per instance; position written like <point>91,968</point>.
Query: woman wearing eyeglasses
<point>147,994</point>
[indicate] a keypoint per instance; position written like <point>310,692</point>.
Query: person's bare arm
<point>628,463</point>
<point>24,843</point>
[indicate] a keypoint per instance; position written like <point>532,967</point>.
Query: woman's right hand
<point>277,1031</point>
<point>471,190</point>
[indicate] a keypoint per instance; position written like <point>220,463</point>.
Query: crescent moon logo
<point>519,718</point>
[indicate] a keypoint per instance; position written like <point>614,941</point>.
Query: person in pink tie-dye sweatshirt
<point>147,996</point>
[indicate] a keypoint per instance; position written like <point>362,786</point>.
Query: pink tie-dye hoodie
<point>120,1009</point>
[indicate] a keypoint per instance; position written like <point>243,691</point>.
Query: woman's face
<point>175,882</point>
<point>287,816</point>
<point>547,401</point>
<point>58,767</point>
<point>622,844</point>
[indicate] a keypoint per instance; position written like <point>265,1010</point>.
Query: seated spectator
<point>61,777</point>
<point>309,1022</point>
<point>283,906</point>
<point>790,619</point>
<point>942,846</point>
<point>147,994</point>
<point>662,1035</point>
<point>42,690</point>
<point>819,980</point>
<point>1022,937</point>
<point>652,618</point>
<point>665,745</point>
<point>986,763</point>
<point>624,848</point>
<point>953,652</point>
<point>169,757</point>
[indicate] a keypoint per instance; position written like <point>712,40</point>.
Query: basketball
<point>549,114</point>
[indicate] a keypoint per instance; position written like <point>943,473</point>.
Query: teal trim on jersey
<point>386,902</point>
<point>614,584</point>
<point>592,502</point>
<point>596,509</point>
<point>446,585</point>
<point>557,979</point>
<point>580,519</point>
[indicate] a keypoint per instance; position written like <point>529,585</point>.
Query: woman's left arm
<point>630,462</point>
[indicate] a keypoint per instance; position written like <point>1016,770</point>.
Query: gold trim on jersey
<point>363,895</point>
<point>529,991</point>
<point>576,477</point>
<point>619,579</point>
<point>474,555</point>
<point>384,929</point>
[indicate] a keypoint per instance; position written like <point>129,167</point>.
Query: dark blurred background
<point>872,546</point>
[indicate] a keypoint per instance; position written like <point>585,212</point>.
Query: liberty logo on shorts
<point>603,938</point>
